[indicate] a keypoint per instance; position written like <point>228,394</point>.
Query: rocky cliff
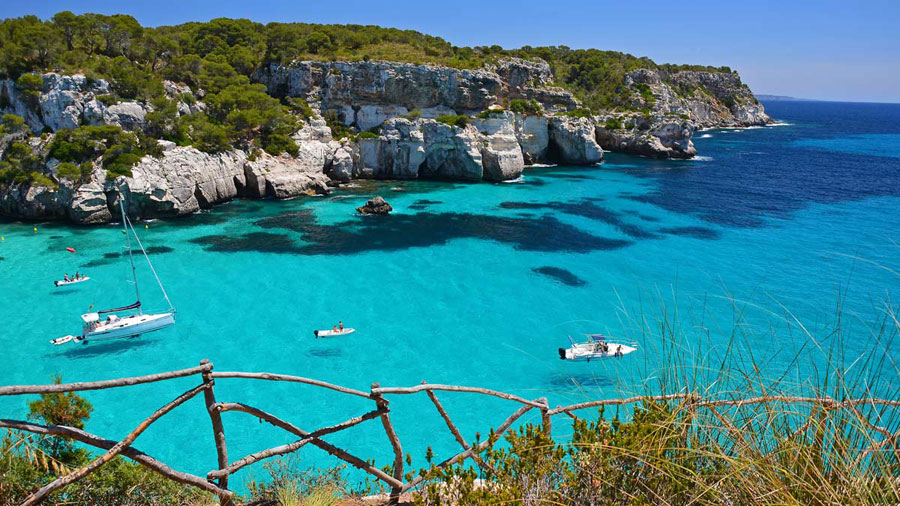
<point>420,121</point>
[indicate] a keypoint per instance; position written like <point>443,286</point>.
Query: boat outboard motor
<point>562,353</point>
<point>316,333</point>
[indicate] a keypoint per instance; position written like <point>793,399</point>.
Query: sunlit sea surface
<point>476,284</point>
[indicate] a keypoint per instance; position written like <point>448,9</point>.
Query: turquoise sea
<point>477,284</point>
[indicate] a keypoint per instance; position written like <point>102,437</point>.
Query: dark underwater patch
<point>586,208</point>
<point>2,259</point>
<point>647,217</point>
<point>262,242</point>
<point>64,292</point>
<point>580,380</point>
<point>97,262</point>
<point>156,250</point>
<point>564,276</point>
<point>416,207</point>
<point>399,232</point>
<point>426,202</point>
<point>56,237</point>
<point>325,352</point>
<point>107,257</point>
<point>695,232</point>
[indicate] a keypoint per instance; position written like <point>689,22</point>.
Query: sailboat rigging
<point>131,325</point>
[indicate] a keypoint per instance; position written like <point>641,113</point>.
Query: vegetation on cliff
<point>224,53</point>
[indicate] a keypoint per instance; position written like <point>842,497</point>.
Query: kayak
<point>333,333</point>
<point>63,282</point>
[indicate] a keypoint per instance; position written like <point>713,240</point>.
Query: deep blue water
<point>479,284</point>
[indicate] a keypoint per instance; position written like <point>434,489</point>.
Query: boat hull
<point>589,352</point>
<point>130,326</point>
<point>332,333</point>
<point>71,282</point>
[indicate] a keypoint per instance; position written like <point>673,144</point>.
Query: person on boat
<point>66,277</point>
<point>334,328</point>
<point>76,275</point>
<point>341,325</point>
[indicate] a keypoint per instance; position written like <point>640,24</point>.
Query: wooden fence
<point>216,481</point>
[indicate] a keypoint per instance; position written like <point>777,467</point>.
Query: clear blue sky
<point>826,49</point>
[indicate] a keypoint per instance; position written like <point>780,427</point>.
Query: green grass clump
<point>458,120</point>
<point>525,107</point>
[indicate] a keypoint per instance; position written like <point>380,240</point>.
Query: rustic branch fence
<point>216,481</point>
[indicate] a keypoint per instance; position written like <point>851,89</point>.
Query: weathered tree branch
<point>62,481</point>
<point>313,438</point>
<point>215,418</point>
<point>99,385</point>
<point>452,388</point>
<point>293,379</point>
<point>106,444</point>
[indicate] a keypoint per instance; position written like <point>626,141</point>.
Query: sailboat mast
<point>137,291</point>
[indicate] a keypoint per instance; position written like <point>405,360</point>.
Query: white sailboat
<point>95,327</point>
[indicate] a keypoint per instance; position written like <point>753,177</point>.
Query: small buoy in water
<point>2,238</point>
<point>35,229</point>
<point>146,226</point>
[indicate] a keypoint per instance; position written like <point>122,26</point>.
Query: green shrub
<point>338,129</point>
<point>281,143</point>
<point>412,115</point>
<point>578,113</point>
<point>108,100</point>
<point>525,107</point>
<point>299,106</point>
<point>11,123</point>
<point>68,170</point>
<point>613,124</point>
<point>39,179</point>
<point>459,120</point>
<point>31,86</point>
<point>489,113</point>
<point>368,135</point>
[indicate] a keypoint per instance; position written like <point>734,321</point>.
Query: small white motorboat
<point>597,347</point>
<point>333,333</point>
<point>63,282</point>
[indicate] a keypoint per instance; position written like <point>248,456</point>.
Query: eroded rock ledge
<point>379,98</point>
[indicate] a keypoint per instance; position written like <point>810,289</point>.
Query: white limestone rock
<point>501,155</point>
<point>532,133</point>
<point>573,140</point>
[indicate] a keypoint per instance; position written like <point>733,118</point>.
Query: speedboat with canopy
<point>135,322</point>
<point>597,347</point>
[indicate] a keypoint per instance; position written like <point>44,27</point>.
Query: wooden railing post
<point>218,430</point>
<point>545,416</point>
<point>395,443</point>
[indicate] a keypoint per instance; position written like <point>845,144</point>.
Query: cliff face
<point>493,144</point>
<point>673,107</point>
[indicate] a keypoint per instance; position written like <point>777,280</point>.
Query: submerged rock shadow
<point>399,232</point>
<point>564,276</point>
<point>587,208</point>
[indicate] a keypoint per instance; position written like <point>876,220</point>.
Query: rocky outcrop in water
<point>664,137</point>
<point>375,206</point>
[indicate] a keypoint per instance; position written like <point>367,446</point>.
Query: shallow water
<point>473,284</point>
